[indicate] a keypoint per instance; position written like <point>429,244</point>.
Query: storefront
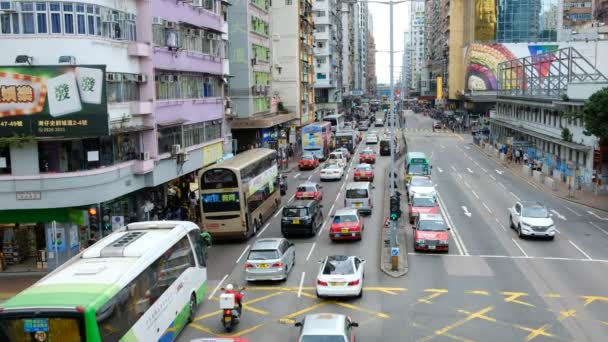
<point>38,240</point>
<point>263,131</point>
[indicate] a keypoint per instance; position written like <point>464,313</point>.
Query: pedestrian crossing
<point>427,130</point>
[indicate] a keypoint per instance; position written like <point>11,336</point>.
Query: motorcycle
<point>231,313</point>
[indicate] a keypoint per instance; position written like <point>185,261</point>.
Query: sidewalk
<point>10,285</point>
<point>554,187</point>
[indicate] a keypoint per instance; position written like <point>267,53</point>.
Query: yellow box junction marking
<point>358,308</point>
<point>552,295</point>
<point>434,294</point>
<point>479,292</point>
<point>479,314</point>
<point>566,313</point>
<point>512,298</point>
<point>591,299</point>
<point>246,306</point>
<point>534,333</point>
<point>454,337</point>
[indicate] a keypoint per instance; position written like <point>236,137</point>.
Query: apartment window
<point>186,86</point>
<point>124,89</point>
<point>27,17</point>
<point>68,17</point>
<point>320,45</point>
<point>55,9</point>
<point>5,160</point>
<point>167,137</point>
<point>321,76</point>
<point>288,2</point>
<point>80,19</point>
<point>41,22</point>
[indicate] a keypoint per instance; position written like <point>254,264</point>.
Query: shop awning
<point>572,145</point>
<point>42,215</point>
<point>265,121</point>
<point>176,122</point>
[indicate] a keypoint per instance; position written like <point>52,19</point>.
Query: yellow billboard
<point>485,20</point>
<point>439,87</point>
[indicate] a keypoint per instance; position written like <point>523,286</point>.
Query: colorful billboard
<point>485,20</point>
<point>48,101</point>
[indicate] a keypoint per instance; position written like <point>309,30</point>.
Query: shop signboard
<point>74,241</point>
<point>56,240</point>
<point>56,100</point>
<point>212,153</point>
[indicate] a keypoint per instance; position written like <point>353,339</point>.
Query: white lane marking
<point>475,194</point>
<point>322,228</point>
<point>296,175</point>
<point>574,212</point>
<point>558,214</point>
<point>243,254</point>
<point>501,225</point>
<point>502,185</point>
<point>263,229</point>
<point>291,198</point>
<point>342,187</point>
<point>476,163</point>
<point>580,250</point>
<point>442,146</point>
<point>279,211</point>
<point>484,170</point>
<point>596,215</point>
<point>470,171</point>
<point>505,257</point>
<point>499,172</point>
<point>331,209</point>
<point>453,168</point>
<point>459,176</point>
<point>310,177</point>
<point>311,249</point>
<point>521,249</point>
<point>493,178</point>
<point>432,154</point>
<point>466,211</point>
<point>514,196</point>
<point>487,208</point>
<point>301,284</point>
<point>467,184</point>
<point>217,287</point>
<point>439,169</point>
<point>467,147</point>
<point>462,249</point>
<point>598,227</point>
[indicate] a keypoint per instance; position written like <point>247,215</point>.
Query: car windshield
<point>423,202</point>
<point>367,152</point>
<point>338,267</point>
<point>417,169</point>
<point>332,167</point>
<point>345,219</point>
<point>322,338</point>
<point>364,167</point>
<point>535,212</point>
<point>432,225</point>
<point>295,212</point>
<point>307,188</point>
<point>421,182</point>
<point>307,157</point>
<point>356,193</point>
<point>334,156</point>
<point>266,254</point>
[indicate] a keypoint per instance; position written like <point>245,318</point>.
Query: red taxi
<point>367,156</point>
<point>364,172</point>
<point>309,191</point>
<point>308,162</point>
<point>422,205</point>
<point>346,225</point>
<point>431,233</point>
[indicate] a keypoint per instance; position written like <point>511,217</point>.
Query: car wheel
<point>192,308</point>
<point>550,238</point>
<point>360,295</point>
<point>318,295</point>
<point>511,225</point>
<point>519,232</point>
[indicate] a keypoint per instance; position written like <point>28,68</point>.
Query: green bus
<point>416,164</point>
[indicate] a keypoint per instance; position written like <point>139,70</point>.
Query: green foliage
<point>595,114</point>
<point>16,140</point>
<point>566,135</point>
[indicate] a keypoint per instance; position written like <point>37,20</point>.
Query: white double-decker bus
<point>240,194</point>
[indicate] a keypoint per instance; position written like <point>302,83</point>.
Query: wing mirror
<point>354,324</point>
<point>297,324</point>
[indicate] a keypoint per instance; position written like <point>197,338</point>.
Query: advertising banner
<point>57,100</point>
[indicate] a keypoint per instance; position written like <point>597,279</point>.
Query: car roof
<point>346,211</point>
<point>267,243</point>
<point>531,204</point>
<point>357,185</point>
<point>332,166</point>
<point>363,164</point>
<point>299,204</point>
<point>308,183</point>
<point>430,217</point>
<point>324,324</point>
<point>422,196</point>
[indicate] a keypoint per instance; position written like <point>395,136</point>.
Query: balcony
<point>189,110</point>
<point>141,108</point>
<point>176,11</point>
<point>187,61</point>
<point>138,49</point>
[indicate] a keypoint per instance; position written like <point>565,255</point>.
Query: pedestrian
<point>517,156</point>
<point>525,159</point>
<point>92,239</point>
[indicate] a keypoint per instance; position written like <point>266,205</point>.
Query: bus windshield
<point>216,202</point>
<point>56,327</point>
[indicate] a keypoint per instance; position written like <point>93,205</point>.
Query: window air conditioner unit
<point>157,21</point>
<point>7,6</point>
<point>182,157</point>
<point>142,78</point>
<point>175,149</point>
<point>169,24</point>
<point>197,3</point>
<point>110,77</point>
<point>144,156</point>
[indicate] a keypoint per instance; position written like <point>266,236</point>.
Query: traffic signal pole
<point>393,223</point>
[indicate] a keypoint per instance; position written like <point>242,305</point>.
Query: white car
<point>345,152</point>
<point>531,219</point>
<point>340,276</point>
<point>421,185</point>
<point>331,171</point>
<point>337,158</point>
<point>371,139</point>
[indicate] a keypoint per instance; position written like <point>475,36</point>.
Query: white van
<point>337,158</point>
<point>359,196</point>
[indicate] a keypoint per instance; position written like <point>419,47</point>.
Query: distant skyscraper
<point>527,21</point>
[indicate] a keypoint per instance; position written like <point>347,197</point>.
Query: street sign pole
<point>393,232</point>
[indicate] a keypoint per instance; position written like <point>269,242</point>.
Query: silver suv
<point>326,327</point>
<point>270,259</point>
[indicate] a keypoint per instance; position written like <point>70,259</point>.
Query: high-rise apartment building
<point>327,54</point>
<point>348,46</point>
<point>371,59</point>
<point>417,41</point>
<point>576,13</point>
<point>600,11</point>
<point>527,21</point>
<point>293,57</point>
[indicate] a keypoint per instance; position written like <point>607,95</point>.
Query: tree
<point>595,114</point>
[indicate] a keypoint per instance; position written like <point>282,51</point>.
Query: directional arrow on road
<point>499,172</point>
<point>470,171</point>
<point>466,211</point>
<point>597,216</point>
<point>439,169</point>
<point>558,214</point>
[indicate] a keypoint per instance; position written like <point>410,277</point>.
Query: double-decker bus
<point>240,194</point>
<point>336,120</point>
<point>141,283</point>
<point>317,139</point>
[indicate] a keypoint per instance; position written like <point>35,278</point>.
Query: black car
<point>282,184</point>
<point>302,217</point>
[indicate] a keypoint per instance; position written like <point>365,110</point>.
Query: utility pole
<point>393,234</point>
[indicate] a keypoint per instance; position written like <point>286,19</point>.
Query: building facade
<point>149,115</point>
<point>360,49</point>
<point>371,59</point>
<point>348,46</point>
<point>417,41</point>
<point>527,21</point>
<point>600,11</point>
<point>293,57</point>
<point>327,58</point>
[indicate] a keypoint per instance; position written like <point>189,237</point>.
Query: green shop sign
<point>48,101</point>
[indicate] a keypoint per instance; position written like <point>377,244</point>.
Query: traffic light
<point>395,209</point>
<point>106,219</point>
<point>93,216</point>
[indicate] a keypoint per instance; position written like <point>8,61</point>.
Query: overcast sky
<point>380,13</point>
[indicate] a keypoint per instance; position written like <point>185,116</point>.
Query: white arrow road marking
<point>574,212</point>
<point>470,171</point>
<point>599,217</point>
<point>296,175</point>
<point>466,211</point>
<point>514,195</point>
<point>453,168</point>
<point>499,172</point>
<point>558,214</point>
<point>439,169</point>
<point>467,147</point>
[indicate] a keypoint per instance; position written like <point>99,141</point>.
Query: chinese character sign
<point>53,100</point>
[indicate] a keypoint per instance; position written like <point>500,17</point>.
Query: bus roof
<point>99,272</point>
<point>332,116</point>
<point>242,159</point>
<point>416,155</point>
<point>319,123</point>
